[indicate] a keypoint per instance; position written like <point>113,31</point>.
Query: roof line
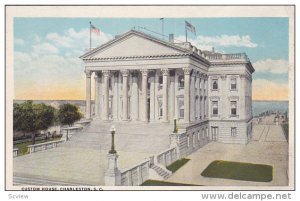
<point>137,33</point>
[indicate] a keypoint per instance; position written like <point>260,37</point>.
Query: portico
<point>144,95</point>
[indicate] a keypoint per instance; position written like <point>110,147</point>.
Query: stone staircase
<point>129,136</point>
<point>164,173</point>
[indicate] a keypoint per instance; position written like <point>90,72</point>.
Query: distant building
<point>140,78</point>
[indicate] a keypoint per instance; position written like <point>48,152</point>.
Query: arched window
<point>233,84</point>
<point>214,84</point>
<point>181,81</point>
<point>215,107</point>
<point>233,107</point>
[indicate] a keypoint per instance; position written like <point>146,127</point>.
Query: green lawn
<point>23,146</point>
<point>239,171</point>
<point>163,183</point>
<point>177,164</point>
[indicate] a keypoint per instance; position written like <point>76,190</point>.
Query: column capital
<point>124,72</point>
<point>187,71</point>
<point>87,73</point>
<point>165,71</point>
<point>144,71</point>
<point>194,73</point>
<point>106,73</point>
<point>98,73</point>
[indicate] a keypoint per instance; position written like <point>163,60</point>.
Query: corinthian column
<point>96,95</point>
<point>88,95</point>
<point>187,72</point>
<point>134,97</point>
<point>125,94</point>
<point>165,73</point>
<point>144,95</point>
<point>105,93</point>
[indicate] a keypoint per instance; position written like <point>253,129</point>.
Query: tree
<point>34,117</point>
<point>17,117</point>
<point>27,119</point>
<point>68,114</point>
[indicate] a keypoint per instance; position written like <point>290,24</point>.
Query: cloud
<point>272,66</point>
<point>269,90</point>
<point>207,42</point>
<point>19,41</point>
<point>77,39</point>
<point>60,40</point>
<point>52,68</point>
<point>45,48</point>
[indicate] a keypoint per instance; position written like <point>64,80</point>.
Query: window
<point>160,81</point>
<point>160,112</point>
<point>233,131</point>
<point>215,107</point>
<point>203,133</point>
<point>233,108</point>
<point>181,113</point>
<point>214,133</point>
<point>181,108</point>
<point>215,84</point>
<point>181,82</point>
<point>233,84</point>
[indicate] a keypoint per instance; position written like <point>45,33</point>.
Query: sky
<point>47,50</point>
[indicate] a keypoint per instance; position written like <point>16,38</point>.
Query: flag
<point>190,27</point>
<point>95,30</point>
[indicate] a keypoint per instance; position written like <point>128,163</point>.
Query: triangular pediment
<point>133,44</point>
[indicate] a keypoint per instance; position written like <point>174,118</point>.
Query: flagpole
<point>90,35</point>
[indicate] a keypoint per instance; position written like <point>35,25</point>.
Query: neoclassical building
<point>140,78</point>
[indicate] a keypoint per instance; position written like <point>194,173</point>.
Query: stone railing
<point>237,56</point>
<point>190,138</point>
<point>67,132</point>
<point>82,123</point>
<point>15,152</point>
<point>167,157</point>
<point>43,146</point>
<point>136,175</point>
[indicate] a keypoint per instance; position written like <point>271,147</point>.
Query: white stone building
<point>140,78</point>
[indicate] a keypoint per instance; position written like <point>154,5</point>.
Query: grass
<point>163,183</point>
<point>285,128</point>
<point>239,171</point>
<point>177,164</point>
<point>23,146</point>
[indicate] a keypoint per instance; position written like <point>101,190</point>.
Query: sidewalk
<point>270,147</point>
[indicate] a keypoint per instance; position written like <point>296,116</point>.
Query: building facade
<point>140,78</point>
